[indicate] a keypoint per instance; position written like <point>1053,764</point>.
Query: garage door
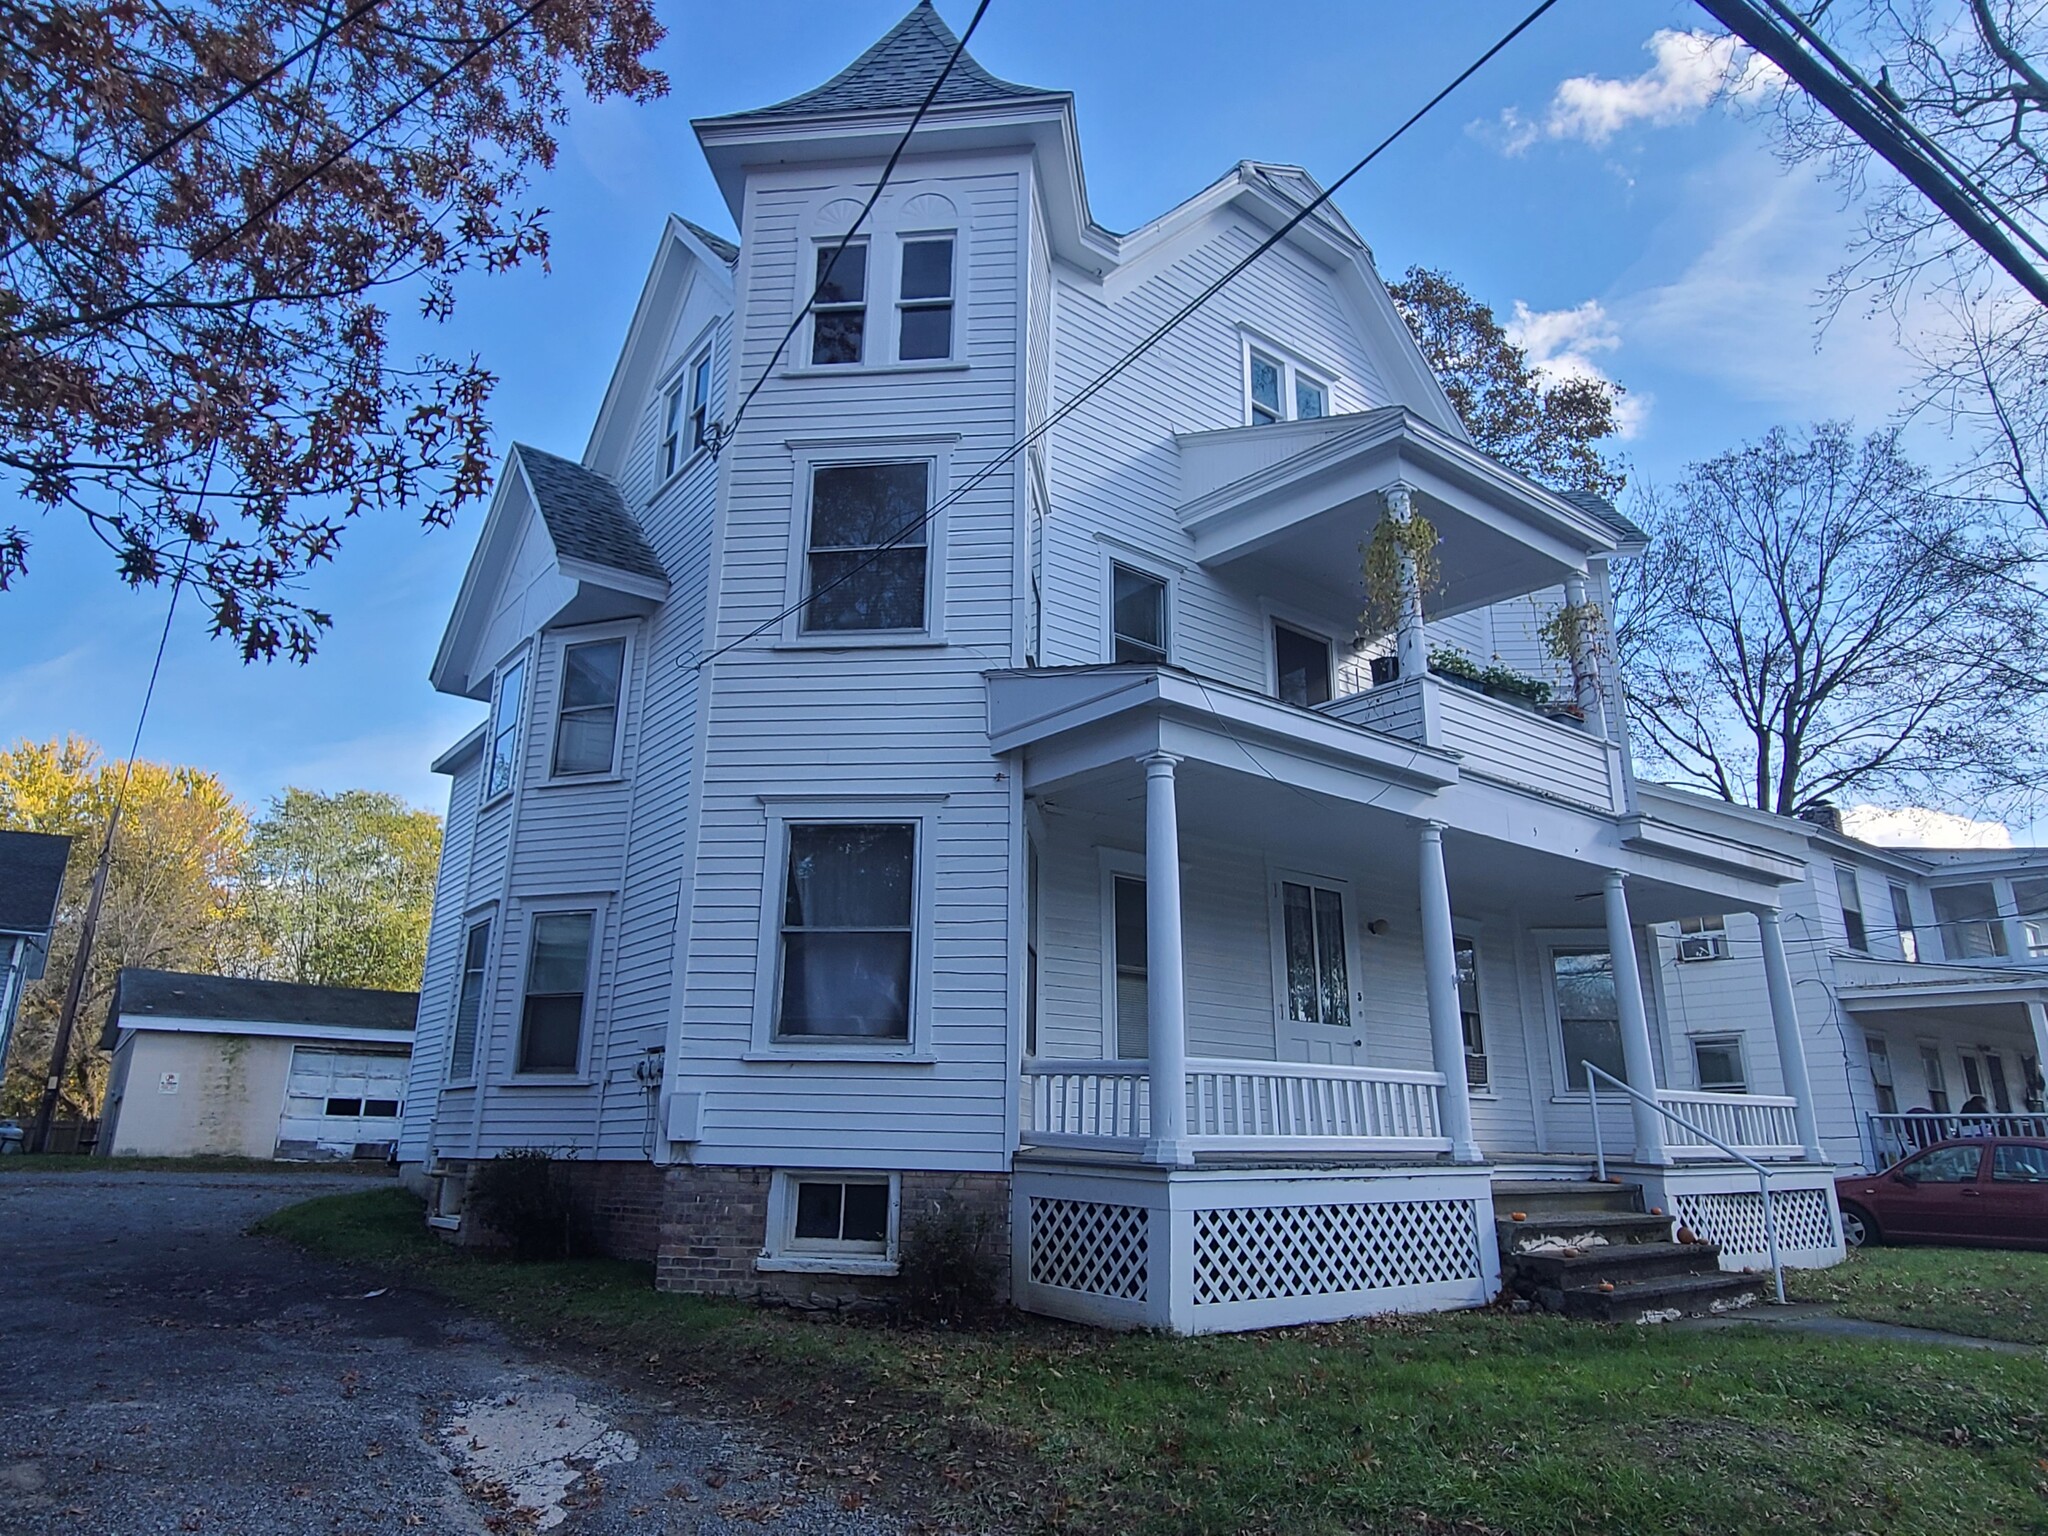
<point>341,1103</point>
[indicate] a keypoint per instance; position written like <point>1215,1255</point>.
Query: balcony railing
<point>1238,1106</point>
<point>1895,1136</point>
<point>1756,1124</point>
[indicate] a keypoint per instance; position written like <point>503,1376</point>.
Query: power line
<point>228,103</point>
<point>827,269</point>
<point>1152,339</point>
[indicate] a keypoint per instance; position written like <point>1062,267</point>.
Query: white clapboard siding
<point>442,974</point>
<point>1507,742</point>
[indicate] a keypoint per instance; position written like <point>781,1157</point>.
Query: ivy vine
<point>1413,537</point>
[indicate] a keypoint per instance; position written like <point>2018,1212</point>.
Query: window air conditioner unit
<point>1701,946</point>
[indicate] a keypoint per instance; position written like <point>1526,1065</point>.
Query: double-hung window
<point>924,326</point>
<point>1130,937</point>
<point>2030,902</point>
<point>1852,907</point>
<point>1717,1064</point>
<point>868,552</point>
<point>504,748</point>
<point>587,721</point>
<point>672,429</point>
<point>1279,389</point>
<point>1879,1050</point>
<point>1137,615</point>
<point>1902,920</point>
<point>1467,955</point>
<point>1703,938</point>
<point>557,989</point>
<point>1968,917</point>
<point>1936,1074</point>
<point>839,315</point>
<point>1588,1013</point>
<point>700,401</point>
<point>469,1002</point>
<point>847,932</point>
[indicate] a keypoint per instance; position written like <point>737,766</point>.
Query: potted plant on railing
<point>1495,681</point>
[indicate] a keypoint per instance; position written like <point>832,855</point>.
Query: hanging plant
<point>1413,537</point>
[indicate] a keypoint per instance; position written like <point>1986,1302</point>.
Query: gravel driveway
<point>160,1371</point>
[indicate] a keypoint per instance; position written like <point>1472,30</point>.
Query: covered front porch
<point>1290,964</point>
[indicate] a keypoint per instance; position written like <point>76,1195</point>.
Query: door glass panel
<point>1297,907</point>
<point>1588,1013</point>
<point>1336,981</point>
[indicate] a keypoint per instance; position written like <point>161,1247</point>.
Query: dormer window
<point>1277,388</point>
<point>839,316</point>
<point>925,312</point>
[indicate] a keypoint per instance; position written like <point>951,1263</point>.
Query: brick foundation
<point>714,1222</point>
<point>622,1201</point>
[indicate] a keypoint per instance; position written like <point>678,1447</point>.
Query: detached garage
<point>220,1066</point>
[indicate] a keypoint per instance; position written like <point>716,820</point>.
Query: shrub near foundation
<point>947,1269</point>
<point>523,1196</point>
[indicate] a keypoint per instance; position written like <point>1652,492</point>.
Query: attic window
<point>1277,388</point>
<point>839,315</point>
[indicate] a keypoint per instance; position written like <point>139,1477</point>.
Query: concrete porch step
<point>1545,1197</point>
<point>1686,1295</point>
<point>1568,1227</point>
<point>1620,1263</point>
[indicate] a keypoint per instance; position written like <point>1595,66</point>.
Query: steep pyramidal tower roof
<point>896,73</point>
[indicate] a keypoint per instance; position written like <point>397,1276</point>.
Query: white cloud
<point>1561,344</point>
<point>1919,826</point>
<point>1689,72</point>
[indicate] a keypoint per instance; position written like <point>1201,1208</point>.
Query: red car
<point>1977,1191</point>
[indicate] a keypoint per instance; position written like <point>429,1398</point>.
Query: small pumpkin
<point>1518,1215</point>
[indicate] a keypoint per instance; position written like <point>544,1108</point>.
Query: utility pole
<point>74,989</point>
<point>1954,197</point>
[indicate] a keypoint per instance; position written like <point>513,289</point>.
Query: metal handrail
<point>1763,1174</point>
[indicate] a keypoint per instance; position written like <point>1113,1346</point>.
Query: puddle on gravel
<point>522,1453</point>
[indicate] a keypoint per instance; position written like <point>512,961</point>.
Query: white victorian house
<point>1065,852</point>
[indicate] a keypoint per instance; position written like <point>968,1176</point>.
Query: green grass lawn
<point>1469,1423</point>
<point>1984,1292</point>
<point>72,1163</point>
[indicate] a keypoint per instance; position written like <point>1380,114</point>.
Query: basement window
<point>844,1222</point>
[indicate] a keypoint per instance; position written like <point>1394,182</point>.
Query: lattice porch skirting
<point>1723,1205</point>
<point>1214,1250</point>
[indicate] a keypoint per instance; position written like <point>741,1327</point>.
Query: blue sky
<point>1648,236</point>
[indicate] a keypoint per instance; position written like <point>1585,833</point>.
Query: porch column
<point>1440,979</point>
<point>1791,1045</point>
<point>1636,1055</point>
<point>1585,663</point>
<point>1165,977</point>
<point>1411,641</point>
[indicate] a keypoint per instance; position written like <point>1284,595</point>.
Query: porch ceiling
<point>1292,503</point>
<point>1270,821</point>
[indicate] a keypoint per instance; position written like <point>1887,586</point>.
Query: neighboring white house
<point>1920,978</point>
<point>221,1066</point>
<point>1062,853</point>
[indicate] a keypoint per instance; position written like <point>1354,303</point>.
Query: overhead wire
<point>1152,339</point>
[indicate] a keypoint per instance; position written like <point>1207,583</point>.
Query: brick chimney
<point>1822,813</point>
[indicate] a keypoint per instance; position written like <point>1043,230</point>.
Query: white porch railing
<point>1753,1123</point>
<point>1895,1136</point>
<point>1238,1106</point>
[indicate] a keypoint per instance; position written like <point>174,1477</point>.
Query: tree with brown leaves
<point>205,209</point>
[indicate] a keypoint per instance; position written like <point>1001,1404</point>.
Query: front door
<point>1317,1002</point>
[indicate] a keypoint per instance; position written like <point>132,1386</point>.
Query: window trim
<point>1292,366</point>
<point>1113,864</point>
<point>807,457</point>
<point>598,907</point>
<point>951,303</point>
<point>1720,1039</point>
<point>485,917</point>
<point>560,643</point>
<point>808,277</point>
<point>783,1252</point>
<point>1110,554</point>
<point>779,814</point>
<point>522,657</point>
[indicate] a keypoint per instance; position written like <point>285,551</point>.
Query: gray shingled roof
<point>1605,510</point>
<point>896,73</point>
<point>140,994</point>
<point>586,517</point>
<point>31,877</point>
<point>721,247</point>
